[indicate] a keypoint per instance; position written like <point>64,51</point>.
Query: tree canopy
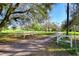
<point>74,16</point>
<point>14,11</point>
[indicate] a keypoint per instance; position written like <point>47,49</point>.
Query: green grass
<point>18,31</point>
<point>72,33</point>
<point>66,46</point>
<point>25,31</point>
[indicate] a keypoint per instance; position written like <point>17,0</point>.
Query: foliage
<point>74,16</point>
<point>37,27</point>
<point>14,11</point>
<point>49,26</point>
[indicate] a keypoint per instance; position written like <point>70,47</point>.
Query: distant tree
<point>74,16</point>
<point>49,26</point>
<point>37,27</point>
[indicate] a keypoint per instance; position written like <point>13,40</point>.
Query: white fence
<point>61,36</point>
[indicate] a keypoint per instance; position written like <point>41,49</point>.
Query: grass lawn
<point>72,33</point>
<point>25,31</point>
<point>74,50</point>
<point>39,32</point>
<point>12,35</point>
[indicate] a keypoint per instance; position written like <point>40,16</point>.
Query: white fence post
<point>71,43</point>
<point>57,39</point>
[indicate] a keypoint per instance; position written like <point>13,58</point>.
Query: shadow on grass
<point>23,47</point>
<point>34,47</point>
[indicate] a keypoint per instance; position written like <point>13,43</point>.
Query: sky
<point>58,13</point>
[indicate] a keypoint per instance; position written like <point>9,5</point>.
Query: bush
<point>37,27</point>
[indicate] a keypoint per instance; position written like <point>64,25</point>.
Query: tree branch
<point>21,11</point>
<point>8,13</point>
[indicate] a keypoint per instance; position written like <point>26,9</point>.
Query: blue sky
<point>58,13</point>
